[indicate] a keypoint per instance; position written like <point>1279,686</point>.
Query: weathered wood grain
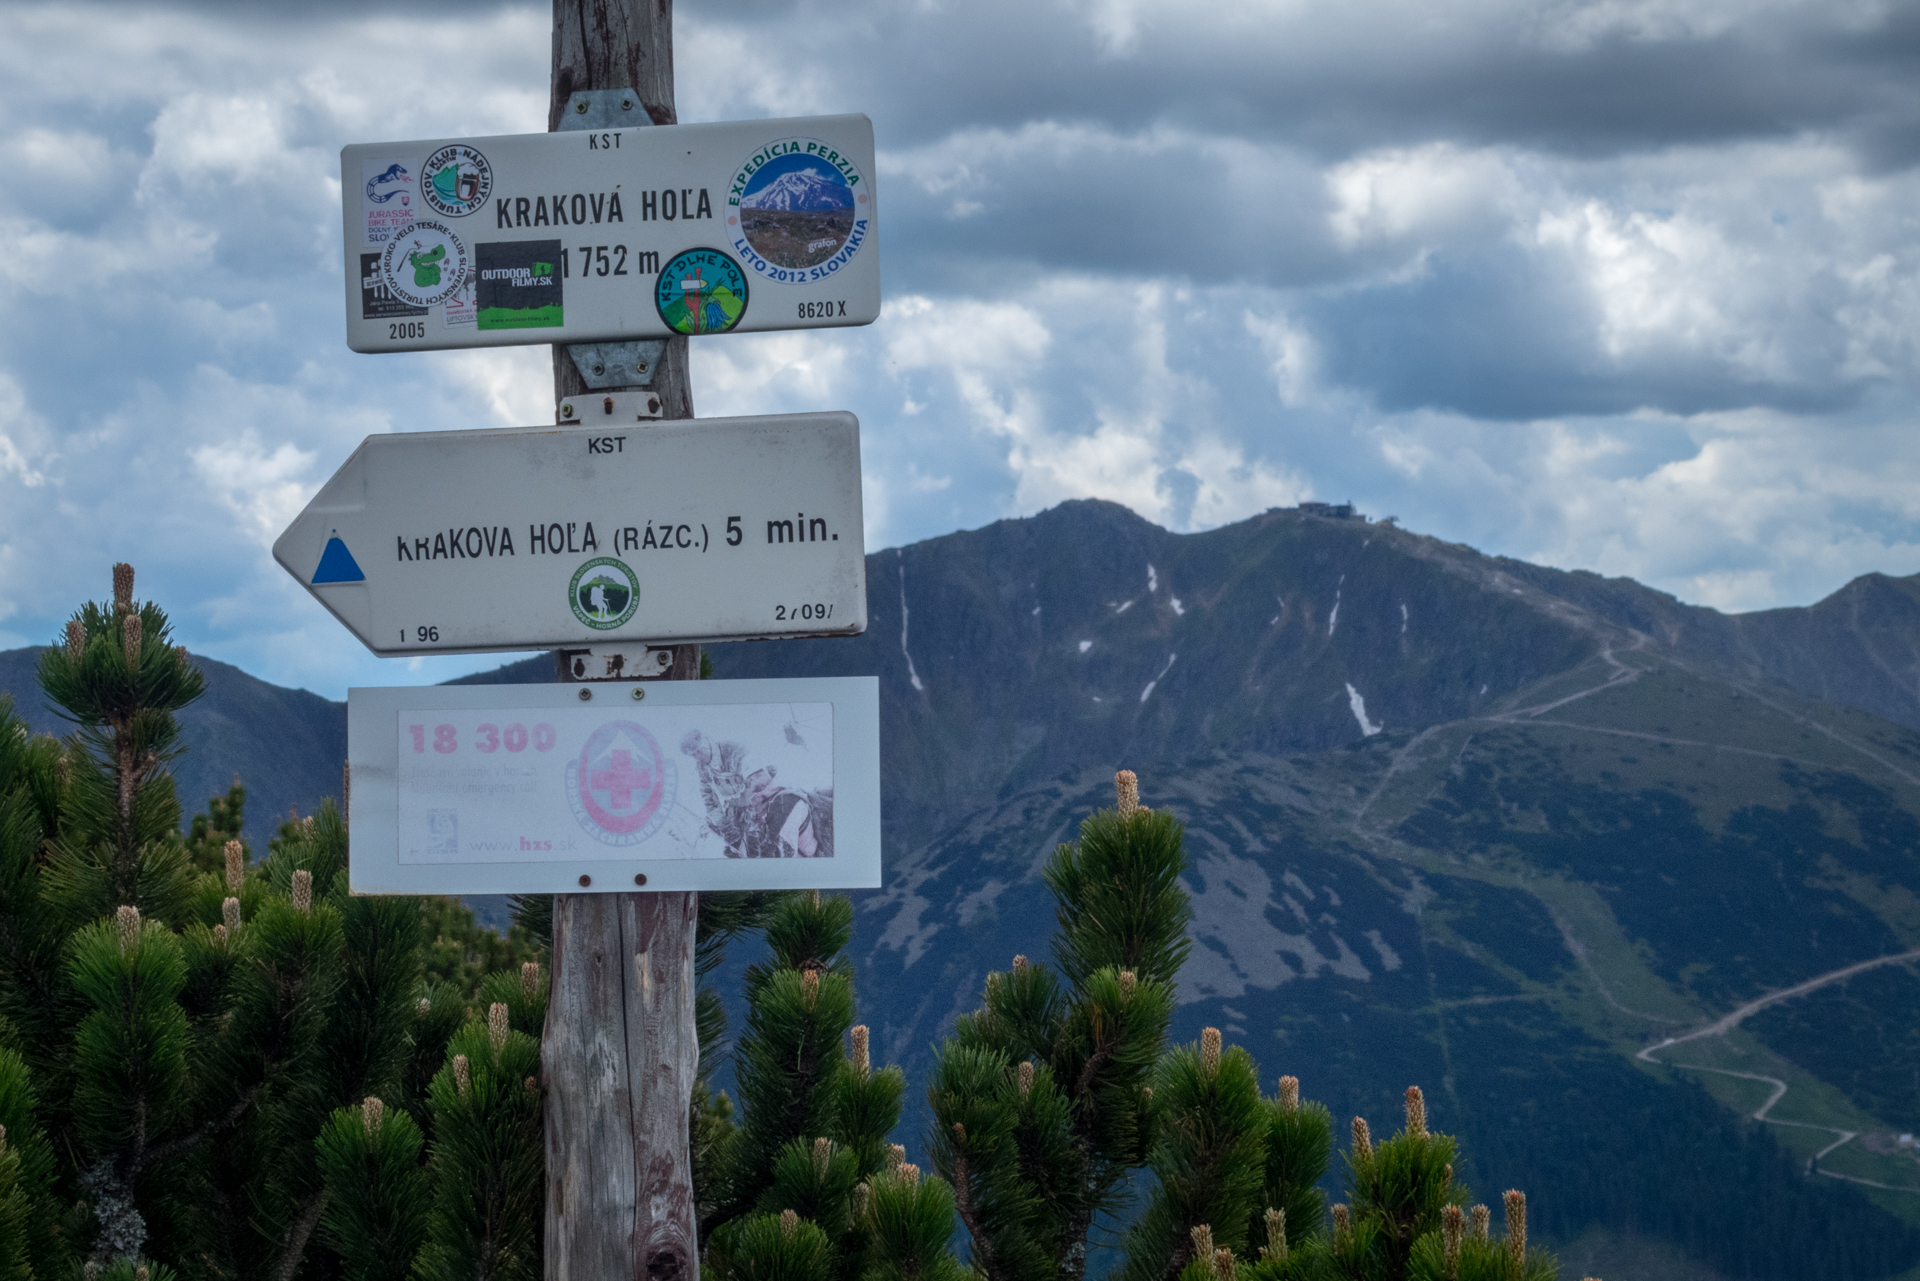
<point>620,1048</point>
<point>619,44</point>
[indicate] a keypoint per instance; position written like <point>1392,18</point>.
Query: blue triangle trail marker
<point>337,564</point>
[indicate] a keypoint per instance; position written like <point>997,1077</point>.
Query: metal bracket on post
<point>610,364</point>
<point>615,663</point>
<point>603,109</point>
<point>617,364</point>
<point>609,409</point>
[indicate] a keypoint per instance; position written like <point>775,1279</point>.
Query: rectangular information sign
<point>546,537</point>
<point>608,235</point>
<point>701,785</point>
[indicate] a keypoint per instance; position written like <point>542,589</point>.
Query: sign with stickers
<point>609,235</point>
<point>540,789</point>
<point>525,538</point>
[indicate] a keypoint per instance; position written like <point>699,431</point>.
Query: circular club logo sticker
<point>424,263</point>
<point>701,291</point>
<point>621,787</point>
<point>798,211</point>
<point>456,180</point>
<point>604,593</point>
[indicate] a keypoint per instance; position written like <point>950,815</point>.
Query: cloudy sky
<point>1631,285</point>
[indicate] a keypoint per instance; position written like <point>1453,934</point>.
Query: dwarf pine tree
<point>179,1025</point>
<point>1041,1098</point>
<point>808,1187</point>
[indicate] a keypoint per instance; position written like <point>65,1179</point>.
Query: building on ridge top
<point>1331,511</point>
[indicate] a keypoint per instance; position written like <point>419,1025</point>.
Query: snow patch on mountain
<point>1156,680</point>
<point>911,674</point>
<point>1359,705</point>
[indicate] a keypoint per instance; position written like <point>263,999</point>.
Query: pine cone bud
<point>1342,1225</point>
<point>1516,1228</point>
<point>822,1157</point>
<point>1202,1235</point>
<point>1127,787</point>
<point>130,628</point>
<point>1128,982</point>
<point>862,1059</point>
<point>306,827</point>
<point>1453,1229</point>
<point>91,1272</point>
<point>1210,1050</point>
<point>123,587</point>
<point>1446,1177</point>
<point>128,919</point>
<point>236,864</point>
<point>1362,1140</point>
<point>142,1274</point>
<point>910,1174</point>
<point>1289,1094</point>
<point>1416,1112</point>
<point>960,1132</point>
<point>862,1201</point>
<point>1019,967</point>
<point>462,1080</point>
<point>220,935</point>
<point>76,639</point>
<point>810,987</point>
<point>497,1026</point>
<point>1223,1264</point>
<point>372,1110</point>
<point>531,1085</point>
<point>423,1007</point>
<point>789,1224</point>
<point>181,656</point>
<point>303,892</point>
<point>896,1153</point>
<point>529,980</point>
<point>1276,1247</point>
<point>1482,1221</point>
<point>1026,1078</point>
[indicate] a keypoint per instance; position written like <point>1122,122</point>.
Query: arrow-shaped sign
<point>541,537</point>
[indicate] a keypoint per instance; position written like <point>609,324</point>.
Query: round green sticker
<point>604,593</point>
<point>701,291</point>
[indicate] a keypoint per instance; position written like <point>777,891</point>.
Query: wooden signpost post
<point>620,1050</point>
<point>474,541</point>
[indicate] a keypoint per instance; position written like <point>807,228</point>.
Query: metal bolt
<point>586,695</point>
<point>598,369</point>
<point>580,107</point>
<point>626,104</point>
<point>641,367</point>
<point>638,693</point>
<point>585,879</point>
<point>566,410</point>
<point>639,878</point>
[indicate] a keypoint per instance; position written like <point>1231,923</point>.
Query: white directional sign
<point>610,234</point>
<point>544,537</point>
<point>700,785</point>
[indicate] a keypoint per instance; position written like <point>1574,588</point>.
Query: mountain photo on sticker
<point>797,211</point>
<point>521,285</point>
